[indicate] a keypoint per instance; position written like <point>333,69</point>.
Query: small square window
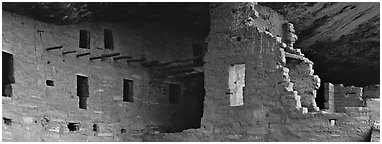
<point>49,82</point>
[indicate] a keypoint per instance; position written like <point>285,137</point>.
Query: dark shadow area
<point>320,99</point>
<point>192,101</point>
<point>174,93</point>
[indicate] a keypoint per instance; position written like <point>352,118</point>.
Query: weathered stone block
<point>262,130</point>
<point>234,136</point>
<point>27,119</point>
<point>105,134</point>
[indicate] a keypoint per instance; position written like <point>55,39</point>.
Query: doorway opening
<point>8,74</point>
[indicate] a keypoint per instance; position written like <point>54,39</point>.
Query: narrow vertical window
<point>197,50</point>
<point>174,93</point>
<point>236,83</point>
<point>108,39</point>
<point>128,90</point>
<point>7,74</point>
<point>84,39</point>
<point>82,91</point>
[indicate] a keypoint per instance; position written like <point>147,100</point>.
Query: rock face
<point>342,39</point>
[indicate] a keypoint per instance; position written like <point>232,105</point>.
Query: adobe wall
<point>41,113</point>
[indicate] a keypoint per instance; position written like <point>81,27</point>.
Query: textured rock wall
<point>42,113</point>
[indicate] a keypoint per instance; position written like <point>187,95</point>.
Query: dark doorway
<point>8,74</point>
<point>128,90</point>
<point>194,95</point>
<point>82,91</point>
<point>191,98</point>
<point>320,98</point>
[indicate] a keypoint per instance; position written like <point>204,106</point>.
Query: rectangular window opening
<point>8,74</point>
<point>236,84</point>
<point>82,91</point>
<point>73,126</point>
<point>128,90</point>
<point>197,50</point>
<point>49,82</point>
<point>174,93</point>
<point>84,39</point>
<point>108,39</point>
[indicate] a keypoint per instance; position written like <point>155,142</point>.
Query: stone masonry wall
<point>306,84</point>
<point>42,113</point>
<point>371,91</point>
<point>272,109</point>
<point>347,96</point>
<point>231,41</point>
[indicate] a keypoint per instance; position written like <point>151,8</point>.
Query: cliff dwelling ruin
<point>210,72</point>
